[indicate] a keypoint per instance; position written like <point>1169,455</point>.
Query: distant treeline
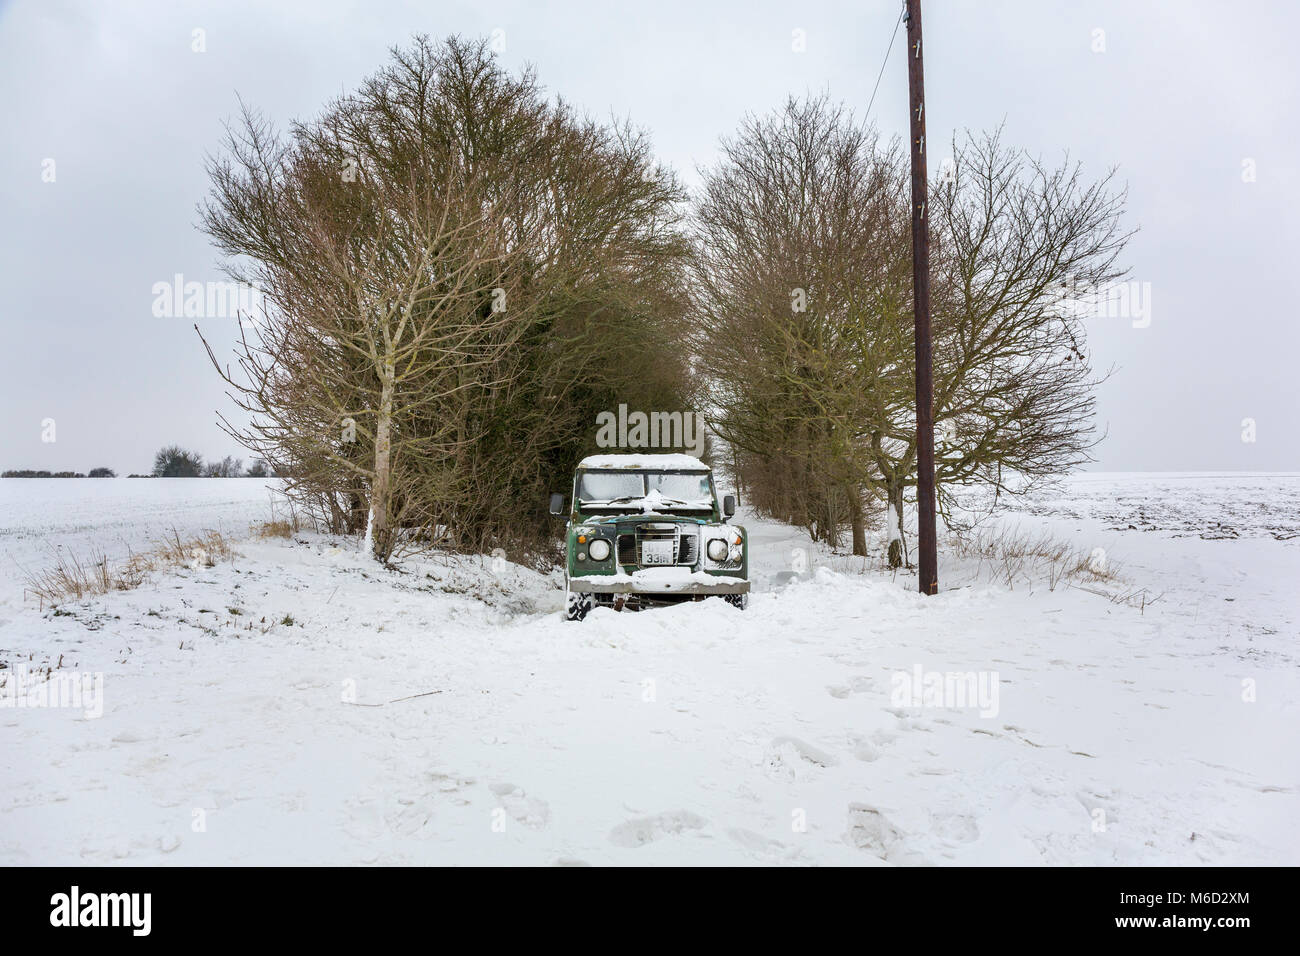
<point>170,462</point>
<point>175,462</point>
<point>28,473</point>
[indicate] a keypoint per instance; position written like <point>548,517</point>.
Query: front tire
<point>737,600</point>
<point>577,605</point>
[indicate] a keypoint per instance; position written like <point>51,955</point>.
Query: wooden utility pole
<point>927,556</point>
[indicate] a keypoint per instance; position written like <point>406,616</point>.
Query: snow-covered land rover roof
<point>645,462</point>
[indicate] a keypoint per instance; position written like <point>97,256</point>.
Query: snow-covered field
<point>298,705</point>
<point>39,516</point>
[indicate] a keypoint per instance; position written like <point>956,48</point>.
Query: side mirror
<point>557,504</point>
<point>729,505</point>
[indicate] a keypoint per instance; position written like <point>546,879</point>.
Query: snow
<point>299,704</point>
<point>39,516</point>
<point>650,462</point>
<point>655,503</point>
<point>665,579</point>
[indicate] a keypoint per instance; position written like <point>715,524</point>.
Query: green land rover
<point>647,530</point>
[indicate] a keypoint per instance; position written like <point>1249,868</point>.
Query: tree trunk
<point>381,489</point>
<point>894,525</point>
<point>859,526</point>
<point>735,474</point>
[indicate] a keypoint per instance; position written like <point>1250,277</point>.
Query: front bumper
<point>652,585</point>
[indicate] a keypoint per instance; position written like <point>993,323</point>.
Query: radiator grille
<point>626,549</point>
<point>685,544</point>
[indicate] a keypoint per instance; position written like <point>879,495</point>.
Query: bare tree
<point>175,462</point>
<point>798,243</point>
<point>805,316</point>
<point>228,467</point>
<point>1013,385</point>
<point>385,289</point>
<point>459,276</point>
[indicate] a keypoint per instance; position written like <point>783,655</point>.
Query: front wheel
<point>738,600</point>
<point>576,605</point>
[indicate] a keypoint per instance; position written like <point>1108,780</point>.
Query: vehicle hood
<point>619,522</point>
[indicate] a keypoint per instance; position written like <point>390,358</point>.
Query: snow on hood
<point>654,502</point>
<point>651,462</point>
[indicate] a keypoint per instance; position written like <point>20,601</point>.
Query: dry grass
<point>73,578</point>
<point>1010,556</point>
<point>274,529</point>
<point>279,527</point>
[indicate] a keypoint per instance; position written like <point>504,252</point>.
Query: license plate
<point>656,552</point>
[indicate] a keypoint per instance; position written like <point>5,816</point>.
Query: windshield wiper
<point>629,498</point>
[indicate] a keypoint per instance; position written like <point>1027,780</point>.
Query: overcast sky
<point>1191,100</point>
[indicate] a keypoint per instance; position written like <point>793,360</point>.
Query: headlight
<point>717,550</point>
<point>599,549</point>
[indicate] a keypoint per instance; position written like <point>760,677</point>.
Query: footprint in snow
<point>447,783</point>
<point>955,827</point>
<point>637,833</point>
<point>1092,802</point>
<point>411,816</point>
<point>795,759</point>
<point>755,842</point>
<point>857,685</point>
<point>864,749</point>
<point>530,811</point>
<point>870,830</point>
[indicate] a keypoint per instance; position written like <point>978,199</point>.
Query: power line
<point>886,60</point>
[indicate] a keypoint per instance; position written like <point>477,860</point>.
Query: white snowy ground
<point>40,516</point>
<point>264,711</point>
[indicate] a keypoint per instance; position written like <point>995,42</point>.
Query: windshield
<point>600,488</point>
